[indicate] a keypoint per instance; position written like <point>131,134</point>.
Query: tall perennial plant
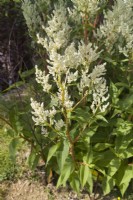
<point>82,128</point>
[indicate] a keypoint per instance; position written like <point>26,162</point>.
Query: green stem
<point>80,101</point>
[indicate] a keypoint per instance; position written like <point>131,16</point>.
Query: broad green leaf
<point>123,187</point>
<point>90,182</point>
<point>116,112</point>
<point>103,159</point>
<point>64,153</point>
<point>100,117</point>
<point>75,184</point>
<point>107,184</point>
<point>81,115</point>
<point>13,148</point>
<point>100,136</point>
<point>122,142</point>
<point>127,153</point>
<point>102,146</point>
<point>128,175</point>
<point>89,132</point>
<point>123,127</point>
<point>114,93</point>
<point>113,166</point>
<point>84,174</point>
<point>66,172</point>
<point>75,131</point>
<point>33,159</point>
<point>88,158</point>
<point>101,170</point>
<point>52,151</point>
<point>35,162</point>
<point>122,84</point>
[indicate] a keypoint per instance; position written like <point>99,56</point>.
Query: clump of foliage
<point>13,148</point>
<point>86,126</point>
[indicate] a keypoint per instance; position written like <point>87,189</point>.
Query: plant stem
<point>85,23</point>
<point>80,101</point>
<point>69,137</point>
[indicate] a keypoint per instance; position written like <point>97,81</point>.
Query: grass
<point>6,164</point>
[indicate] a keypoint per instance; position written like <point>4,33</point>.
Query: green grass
<point>6,164</point>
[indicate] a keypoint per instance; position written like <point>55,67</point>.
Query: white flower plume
<point>40,115</point>
<point>87,6</point>
<point>71,64</point>
<point>118,25</point>
<point>57,30</point>
<point>43,79</point>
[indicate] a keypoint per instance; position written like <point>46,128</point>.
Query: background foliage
<point>15,49</point>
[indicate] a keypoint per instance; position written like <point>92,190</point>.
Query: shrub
<point>86,128</point>
<point>83,116</point>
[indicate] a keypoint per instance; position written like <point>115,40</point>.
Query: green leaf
<point>114,93</point>
<point>123,127</point>
<point>75,131</point>
<point>33,159</point>
<point>13,148</point>
<point>116,112</point>
<point>64,154</point>
<point>27,73</point>
<point>102,146</point>
<point>81,115</point>
<point>107,184</point>
<point>75,184</point>
<point>52,151</point>
<point>15,85</point>
<point>100,117</point>
<point>122,84</point>
<point>84,174</point>
<point>110,60</point>
<point>122,142</point>
<point>89,132</point>
<point>126,154</point>
<point>113,166</point>
<point>66,172</point>
<point>128,175</point>
<point>88,158</point>
<point>90,183</point>
<point>103,159</point>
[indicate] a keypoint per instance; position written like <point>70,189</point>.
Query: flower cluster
<point>118,27</point>
<point>42,116</point>
<point>45,118</point>
<point>43,79</point>
<point>87,6</point>
<point>70,64</point>
<point>100,90</point>
<point>57,30</point>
